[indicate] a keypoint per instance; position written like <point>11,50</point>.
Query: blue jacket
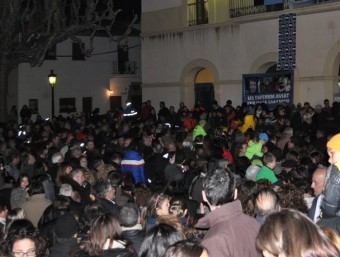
<point>133,162</point>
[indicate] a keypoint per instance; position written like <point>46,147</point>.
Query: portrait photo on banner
<point>268,88</point>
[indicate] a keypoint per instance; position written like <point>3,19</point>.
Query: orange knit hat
<point>334,142</point>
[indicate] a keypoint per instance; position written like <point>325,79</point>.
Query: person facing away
<point>290,233</point>
<point>230,231</point>
<point>267,171</point>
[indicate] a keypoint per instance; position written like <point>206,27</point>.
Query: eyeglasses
<point>30,252</point>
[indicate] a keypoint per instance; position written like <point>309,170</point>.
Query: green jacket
<point>198,131</point>
<point>266,173</point>
<point>254,148</point>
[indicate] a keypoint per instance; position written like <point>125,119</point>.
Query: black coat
<point>154,167</point>
<point>63,246</point>
<point>136,237</point>
<point>83,191</point>
<point>109,206</point>
<point>121,252</point>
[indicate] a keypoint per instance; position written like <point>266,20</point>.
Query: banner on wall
<point>268,88</point>
<point>269,2</point>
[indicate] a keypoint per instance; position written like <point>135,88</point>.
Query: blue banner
<point>268,2</point>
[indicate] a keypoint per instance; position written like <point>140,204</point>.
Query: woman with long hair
<point>19,194</point>
<point>158,239</point>
<point>90,176</point>
<point>63,174</point>
<point>289,233</point>
<point>158,205</point>
<point>105,239</point>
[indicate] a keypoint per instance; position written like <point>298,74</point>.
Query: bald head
<point>318,180</point>
<point>266,201</point>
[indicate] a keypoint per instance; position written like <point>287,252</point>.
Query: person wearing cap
<point>66,229</point>
<point>254,149</point>
<point>331,201</point>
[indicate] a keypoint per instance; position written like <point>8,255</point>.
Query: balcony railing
<point>198,13</point>
<point>127,67</point>
<point>240,8</point>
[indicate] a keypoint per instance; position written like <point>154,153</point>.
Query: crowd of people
<point>217,181</point>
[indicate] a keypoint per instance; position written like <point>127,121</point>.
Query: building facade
<point>103,80</point>
<point>190,44</point>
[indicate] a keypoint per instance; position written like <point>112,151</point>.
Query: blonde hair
<point>333,236</point>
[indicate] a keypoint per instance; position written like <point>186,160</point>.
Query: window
<point>67,105</point>
<point>33,106</point>
<point>51,53</point>
<point>198,12</point>
<point>123,58</point>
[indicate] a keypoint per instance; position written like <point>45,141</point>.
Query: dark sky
<point>129,8</point>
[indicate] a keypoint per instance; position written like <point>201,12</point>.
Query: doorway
<point>87,105</point>
<point>115,103</point>
<point>204,88</point>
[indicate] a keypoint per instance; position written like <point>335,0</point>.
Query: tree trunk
<point>4,70</point>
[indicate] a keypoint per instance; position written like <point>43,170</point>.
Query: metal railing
<point>198,13</point>
<point>240,8</point>
<point>127,67</point>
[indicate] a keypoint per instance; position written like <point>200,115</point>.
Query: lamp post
<point>52,79</point>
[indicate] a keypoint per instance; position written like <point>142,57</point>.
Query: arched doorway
<point>204,88</point>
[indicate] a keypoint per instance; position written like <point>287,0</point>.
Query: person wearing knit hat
<point>66,226</point>
<point>66,229</point>
<point>331,201</point>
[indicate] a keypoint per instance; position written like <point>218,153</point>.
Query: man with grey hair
<point>130,221</point>
<point>105,195</point>
<point>73,197</point>
<point>66,190</point>
<point>79,185</point>
<point>56,159</point>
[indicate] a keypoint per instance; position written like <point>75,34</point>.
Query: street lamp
<point>52,79</point>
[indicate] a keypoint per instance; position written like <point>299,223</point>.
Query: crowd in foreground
<point>224,181</point>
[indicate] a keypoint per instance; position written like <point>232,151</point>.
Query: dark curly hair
<point>21,229</point>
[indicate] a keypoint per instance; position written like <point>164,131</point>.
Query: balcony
<point>127,67</point>
<point>240,8</point>
<point>198,13</point>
